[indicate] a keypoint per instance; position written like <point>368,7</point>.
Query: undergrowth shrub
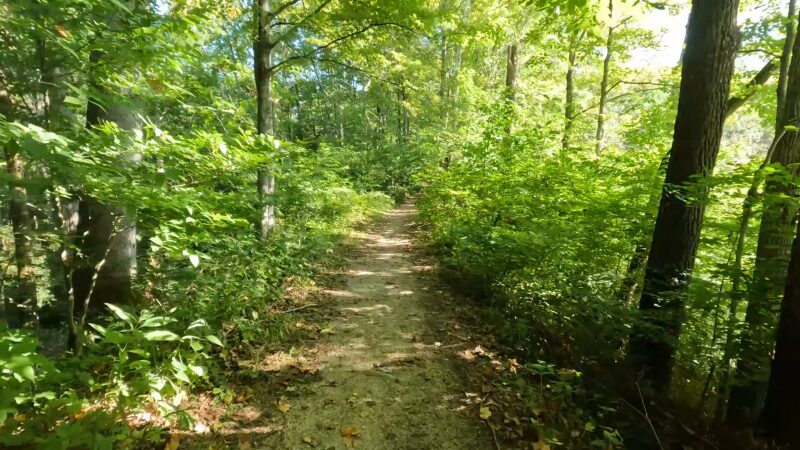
<point>199,256</point>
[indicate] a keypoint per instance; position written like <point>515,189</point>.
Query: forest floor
<point>393,366</point>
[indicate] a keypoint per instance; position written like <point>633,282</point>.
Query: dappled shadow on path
<point>382,375</point>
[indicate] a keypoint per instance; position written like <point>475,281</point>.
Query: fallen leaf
<point>349,434</point>
<point>284,406</point>
<point>308,440</point>
<point>485,413</point>
<point>174,442</point>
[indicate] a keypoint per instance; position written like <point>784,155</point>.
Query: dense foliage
<point>174,166</point>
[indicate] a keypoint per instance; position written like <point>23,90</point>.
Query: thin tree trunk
<point>512,61</point>
<point>265,121</point>
<point>601,113</point>
<point>711,45</point>
<point>443,87</point>
<point>569,101</point>
<point>772,261</point>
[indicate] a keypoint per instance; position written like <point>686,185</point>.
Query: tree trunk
<point>772,260</point>
<point>781,414</point>
<point>104,267</point>
<point>21,299</point>
<point>786,57</point>
<point>601,113</point>
<point>443,87</point>
<point>265,120</point>
<point>736,278</point>
<point>711,44</point>
<point>511,83</point>
<point>63,210</point>
<point>569,101</point>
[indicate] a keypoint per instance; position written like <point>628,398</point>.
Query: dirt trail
<point>388,369</point>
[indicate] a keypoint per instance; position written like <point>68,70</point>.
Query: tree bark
<point>103,269</point>
<point>711,44</point>
<point>601,113</point>
<point>772,261</point>
<point>22,297</point>
<point>265,120</point>
<point>781,415</point>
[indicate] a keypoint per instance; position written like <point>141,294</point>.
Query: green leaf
<point>182,376</point>
<point>161,335</point>
<point>214,340</point>
<point>198,323</point>
<point>74,101</point>
<point>119,312</point>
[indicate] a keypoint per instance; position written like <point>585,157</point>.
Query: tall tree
<point>711,44</point>
<point>265,120</point>
<point>512,69</point>
<point>23,295</point>
<point>772,260</point>
<point>569,95</point>
<point>104,267</point>
<point>601,111</point>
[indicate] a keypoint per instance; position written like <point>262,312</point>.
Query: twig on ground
<point>310,305</point>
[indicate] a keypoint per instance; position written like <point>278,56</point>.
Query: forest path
<point>388,368</point>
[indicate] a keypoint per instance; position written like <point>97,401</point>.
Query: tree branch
<point>334,42</point>
<point>366,72</point>
<point>277,11</point>
<point>761,78</point>
<point>302,21</point>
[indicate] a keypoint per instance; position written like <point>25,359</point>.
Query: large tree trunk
<point>21,298</point>
<point>711,44</point>
<point>22,294</point>
<point>781,415</point>
<point>772,260</point>
<point>265,120</point>
<point>601,113</point>
<point>103,269</point>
